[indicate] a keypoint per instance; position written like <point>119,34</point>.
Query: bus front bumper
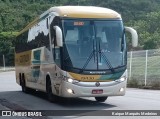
<point>106,88</point>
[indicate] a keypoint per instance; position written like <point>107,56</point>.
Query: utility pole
<point>4,63</point>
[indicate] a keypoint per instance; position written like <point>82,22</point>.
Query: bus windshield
<point>94,44</point>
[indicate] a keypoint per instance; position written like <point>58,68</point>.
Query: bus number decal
<point>87,78</point>
<point>78,23</point>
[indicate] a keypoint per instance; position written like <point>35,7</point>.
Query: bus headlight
<point>121,79</point>
<point>71,80</point>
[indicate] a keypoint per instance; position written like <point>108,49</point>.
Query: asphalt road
<point>12,98</point>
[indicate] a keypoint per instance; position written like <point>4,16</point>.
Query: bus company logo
<point>97,84</point>
<point>102,72</point>
<point>6,113</point>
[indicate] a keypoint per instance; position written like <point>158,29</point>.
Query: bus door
<point>57,71</point>
<point>57,57</point>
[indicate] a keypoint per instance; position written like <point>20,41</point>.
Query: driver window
<point>72,35</point>
<point>101,33</point>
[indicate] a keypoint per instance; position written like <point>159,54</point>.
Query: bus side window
<point>36,56</point>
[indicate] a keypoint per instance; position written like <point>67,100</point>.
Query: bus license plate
<point>97,91</point>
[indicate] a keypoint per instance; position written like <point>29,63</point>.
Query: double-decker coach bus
<point>74,51</point>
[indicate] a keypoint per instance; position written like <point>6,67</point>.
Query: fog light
<point>121,90</point>
<point>70,91</point>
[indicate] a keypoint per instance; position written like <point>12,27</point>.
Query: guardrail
<point>144,68</point>
<point>2,69</point>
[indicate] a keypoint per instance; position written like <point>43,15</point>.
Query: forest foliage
<point>143,15</point>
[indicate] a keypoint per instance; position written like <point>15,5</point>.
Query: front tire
<point>51,97</point>
<point>101,99</point>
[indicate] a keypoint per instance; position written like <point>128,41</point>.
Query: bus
<point>74,51</point>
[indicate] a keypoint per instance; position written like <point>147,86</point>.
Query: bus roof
<point>77,12</point>
<point>83,12</point>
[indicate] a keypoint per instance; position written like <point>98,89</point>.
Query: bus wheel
<point>51,97</point>
<point>101,99</point>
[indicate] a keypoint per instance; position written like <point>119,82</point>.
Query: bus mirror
<point>134,36</point>
<point>58,32</point>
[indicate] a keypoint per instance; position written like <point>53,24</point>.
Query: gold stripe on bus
<point>87,78</point>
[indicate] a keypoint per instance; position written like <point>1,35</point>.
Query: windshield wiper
<point>89,58</point>
<point>93,52</point>
<point>101,54</point>
<point>105,58</point>
<point>107,62</point>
